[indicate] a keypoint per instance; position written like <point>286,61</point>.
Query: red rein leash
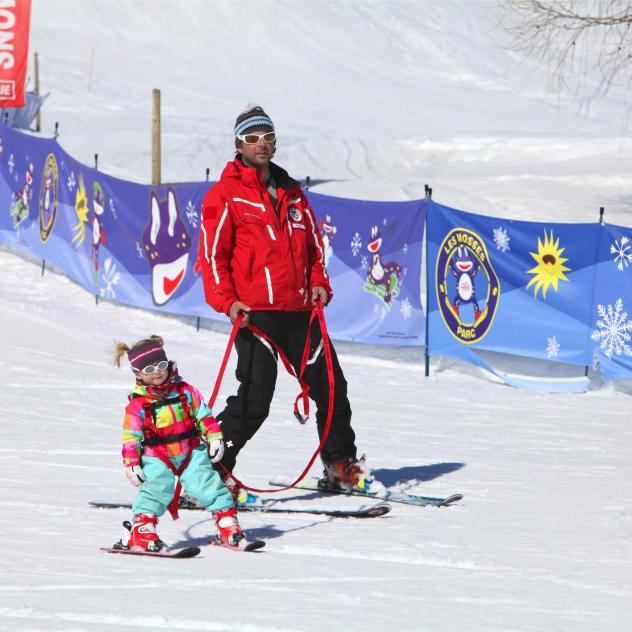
<point>317,312</point>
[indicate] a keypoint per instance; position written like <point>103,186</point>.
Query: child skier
<point>168,430</point>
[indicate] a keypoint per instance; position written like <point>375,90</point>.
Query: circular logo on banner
<point>467,286</point>
<point>48,199</point>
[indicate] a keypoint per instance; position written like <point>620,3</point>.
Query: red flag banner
<point>14,49</point>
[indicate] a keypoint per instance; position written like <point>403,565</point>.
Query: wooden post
<point>38,119</point>
<point>155,138</point>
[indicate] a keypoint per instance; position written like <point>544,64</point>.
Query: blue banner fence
<point>541,290</point>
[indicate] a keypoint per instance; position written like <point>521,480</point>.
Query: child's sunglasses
<point>253,139</point>
<point>152,368</point>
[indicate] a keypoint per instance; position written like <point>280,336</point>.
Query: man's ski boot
<point>230,534</point>
<point>241,497</point>
<point>142,534</point>
<point>351,475</point>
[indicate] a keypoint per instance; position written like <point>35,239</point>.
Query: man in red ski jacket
<point>262,256</point>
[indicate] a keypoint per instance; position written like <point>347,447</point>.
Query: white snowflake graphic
<point>364,261</point>
<point>11,163</point>
<point>405,248</point>
<point>501,239</point>
<point>113,208</point>
<point>111,278</point>
<point>71,182</point>
<point>406,309</point>
<point>613,330</point>
<point>552,347</point>
<point>139,250</point>
<point>622,252</point>
<point>192,214</point>
<point>356,244</point>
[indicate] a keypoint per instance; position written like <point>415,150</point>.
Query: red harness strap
<point>152,432</point>
<point>173,505</point>
<point>317,312</point>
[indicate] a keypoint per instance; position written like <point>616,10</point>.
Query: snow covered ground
<point>380,98</point>
<point>541,542</point>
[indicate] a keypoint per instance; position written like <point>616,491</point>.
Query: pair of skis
<point>186,552</point>
<point>255,504</point>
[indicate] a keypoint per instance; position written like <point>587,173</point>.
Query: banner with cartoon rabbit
<point>123,241</point>
<point>137,244</point>
<point>542,290</point>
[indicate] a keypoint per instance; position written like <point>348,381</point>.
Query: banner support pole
<point>96,167</point>
<point>428,192</point>
<point>601,212</point>
<point>43,266</point>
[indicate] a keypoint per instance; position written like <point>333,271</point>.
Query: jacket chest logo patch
<point>295,214</point>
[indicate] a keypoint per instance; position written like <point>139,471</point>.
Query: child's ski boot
<point>230,534</point>
<point>142,534</point>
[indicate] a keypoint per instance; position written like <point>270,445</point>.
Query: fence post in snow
<point>307,179</point>
<point>96,166</point>
<point>428,194</point>
<point>155,138</point>
<point>208,173</point>
<point>56,129</point>
<point>601,212</point>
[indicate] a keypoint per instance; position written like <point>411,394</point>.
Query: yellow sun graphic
<point>550,269</point>
<point>81,209</point>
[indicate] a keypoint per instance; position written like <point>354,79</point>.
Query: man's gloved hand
<point>135,475</point>
<point>215,450</point>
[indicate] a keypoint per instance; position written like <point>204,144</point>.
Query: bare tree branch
<point>581,40</point>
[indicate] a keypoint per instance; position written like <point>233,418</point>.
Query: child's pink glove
<point>135,475</point>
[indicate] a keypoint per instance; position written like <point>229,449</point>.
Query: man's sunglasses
<point>253,139</point>
<point>152,368</point>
